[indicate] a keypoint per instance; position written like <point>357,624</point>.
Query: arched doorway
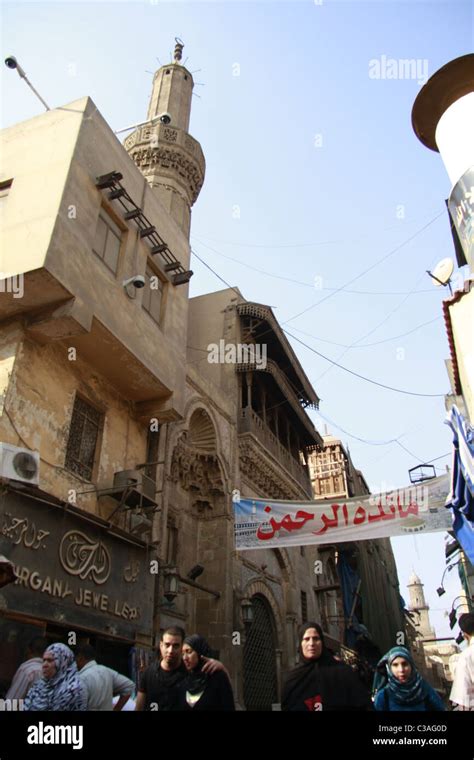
<point>260,674</point>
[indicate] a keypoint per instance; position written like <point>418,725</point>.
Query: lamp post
<point>441,590</point>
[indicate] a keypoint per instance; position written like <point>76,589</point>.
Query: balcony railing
<point>250,422</point>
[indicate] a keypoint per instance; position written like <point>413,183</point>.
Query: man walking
<point>462,693</point>
<point>101,683</point>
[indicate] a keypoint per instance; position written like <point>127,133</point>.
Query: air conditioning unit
<point>19,464</point>
<point>136,478</point>
<point>140,525</point>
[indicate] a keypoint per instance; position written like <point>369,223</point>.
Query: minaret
<point>418,604</point>
<point>171,160</point>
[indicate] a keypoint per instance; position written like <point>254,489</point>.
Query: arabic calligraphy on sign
<point>82,557</point>
<point>132,571</point>
<point>361,515</point>
<point>20,530</point>
<point>288,523</point>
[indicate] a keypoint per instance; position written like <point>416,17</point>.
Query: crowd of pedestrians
<point>186,676</point>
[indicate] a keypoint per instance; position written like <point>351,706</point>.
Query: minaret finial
<point>178,50</point>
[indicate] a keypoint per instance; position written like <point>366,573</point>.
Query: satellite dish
<point>442,273</point>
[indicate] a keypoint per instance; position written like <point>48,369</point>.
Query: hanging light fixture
<point>247,612</point>
<point>171,584</point>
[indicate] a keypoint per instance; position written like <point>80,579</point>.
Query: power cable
<point>318,353</point>
<point>306,284</point>
<point>362,377</point>
<point>299,245</point>
<point>374,329</point>
<point>369,269</point>
<point>369,345</point>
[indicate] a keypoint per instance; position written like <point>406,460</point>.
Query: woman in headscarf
<point>398,686</point>
<point>202,691</point>
<point>60,688</point>
<point>321,682</point>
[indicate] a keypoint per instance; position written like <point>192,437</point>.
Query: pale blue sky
<point>313,174</point>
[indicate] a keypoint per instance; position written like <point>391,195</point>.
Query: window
<point>86,425</point>
<point>153,295</point>
<point>304,607</point>
<point>107,241</point>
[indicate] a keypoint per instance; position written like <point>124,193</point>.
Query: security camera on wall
<point>138,281</point>
<point>165,118</point>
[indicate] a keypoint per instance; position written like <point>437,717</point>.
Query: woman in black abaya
<point>321,682</point>
<point>203,691</point>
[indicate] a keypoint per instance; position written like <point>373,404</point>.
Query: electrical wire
<point>300,245</point>
<point>307,284</point>
<point>374,329</point>
<point>369,269</point>
<point>362,377</point>
<point>318,353</point>
<point>369,345</point>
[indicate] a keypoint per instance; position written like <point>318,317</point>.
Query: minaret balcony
<point>166,151</point>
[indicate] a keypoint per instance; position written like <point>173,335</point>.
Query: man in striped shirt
<point>29,671</point>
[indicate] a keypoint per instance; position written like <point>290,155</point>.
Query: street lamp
<point>441,590</point>
<point>246,607</point>
<point>421,472</point>
<point>453,614</point>
<point>12,63</point>
<point>170,583</point>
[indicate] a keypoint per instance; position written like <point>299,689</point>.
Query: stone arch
<point>199,404</point>
<point>201,431</point>
<point>284,563</point>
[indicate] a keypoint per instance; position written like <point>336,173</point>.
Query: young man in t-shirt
<point>158,687</point>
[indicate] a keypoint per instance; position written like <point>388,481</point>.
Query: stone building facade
<point>122,441</point>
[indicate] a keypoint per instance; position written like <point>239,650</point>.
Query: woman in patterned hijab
<point>60,687</point>
<point>398,686</point>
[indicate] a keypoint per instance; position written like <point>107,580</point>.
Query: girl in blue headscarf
<point>399,687</point>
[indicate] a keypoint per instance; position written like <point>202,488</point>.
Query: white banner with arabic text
<point>267,524</point>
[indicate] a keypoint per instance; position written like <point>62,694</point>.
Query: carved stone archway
<point>195,464</point>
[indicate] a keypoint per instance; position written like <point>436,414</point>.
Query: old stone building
<point>369,580</point>
<point>131,413</point>
<point>92,365</point>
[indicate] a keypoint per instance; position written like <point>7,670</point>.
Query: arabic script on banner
<point>264,524</point>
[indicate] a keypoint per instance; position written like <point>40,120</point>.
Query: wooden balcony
<point>250,422</point>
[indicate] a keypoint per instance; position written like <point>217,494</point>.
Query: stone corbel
<point>66,321</point>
